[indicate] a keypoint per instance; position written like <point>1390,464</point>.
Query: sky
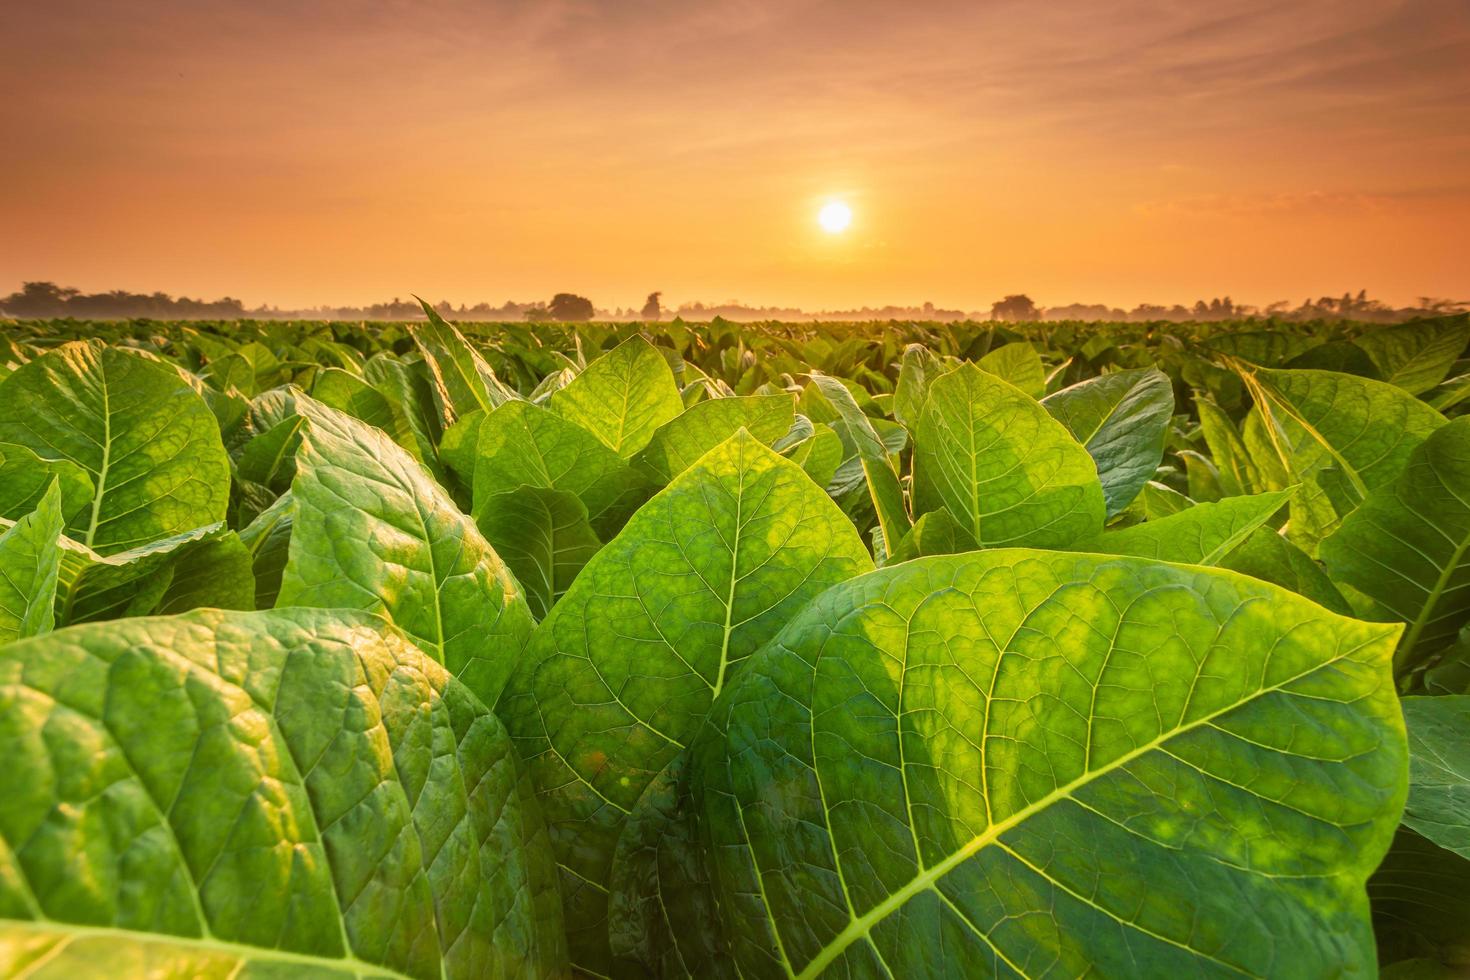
<point>1113,151</point>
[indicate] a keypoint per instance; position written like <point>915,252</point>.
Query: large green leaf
<point>1007,471</point>
<point>463,381</point>
<point>372,530</point>
<point>213,574</point>
<point>1204,534</point>
<point>1024,763</point>
<point>919,367</point>
<point>813,446</point>
<point>1338,435</point>
<point>1268,348</point>
<point>1158,500</point>
<point>1271,557</point>
<point>25,477</point>
<point>1237,471</point>
<point>680,442</point>
<point>407,388</point>
<point>1417,356</point>
<point>544,538</point>
<point>146,440</point>
<point>936,533</point>
<point>877,463</point>
<point>1421,894</point>
<point>1421,904</point>
<point>93,587</point>
<point>521,444</point>
<point>622,397</point>
<point>269,459</point>
<point>30,560</point>
<point>1122,419</point>
<point>349,393</point>
<point>663,917</point>
<point>268,540</point>
<point>620,675</point>
<point>459,447</point>
<point>1018,363</point>
<point>1439,772</point>
<point>290,793</point>
<point>1407,548</point>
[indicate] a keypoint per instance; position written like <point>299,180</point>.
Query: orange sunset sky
<point>1111,151</point>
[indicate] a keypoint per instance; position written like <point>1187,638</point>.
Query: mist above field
<point>1112,150</point>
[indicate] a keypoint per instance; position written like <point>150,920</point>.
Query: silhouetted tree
<point>570,308</point>
<point>1016,307</point>
<point>46,299</point>
<point>651,310</point>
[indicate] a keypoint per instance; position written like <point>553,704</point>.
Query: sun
<point>835,217</point>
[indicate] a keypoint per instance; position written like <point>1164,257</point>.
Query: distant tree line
<point>1347,307</point>
<point>48,300</point>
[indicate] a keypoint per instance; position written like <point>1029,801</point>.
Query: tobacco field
<point>718,650</point>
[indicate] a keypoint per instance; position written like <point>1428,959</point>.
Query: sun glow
<point>835,217</point>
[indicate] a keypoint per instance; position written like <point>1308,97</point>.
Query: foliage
<point>442,649</point>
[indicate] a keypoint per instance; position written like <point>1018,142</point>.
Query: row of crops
<point>734,651</point>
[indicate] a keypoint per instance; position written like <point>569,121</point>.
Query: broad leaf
<point>462,380</point>
<point>663,918</point>
<point>268,540</point>
<point>1017,762</point>
<point>1238,472</point>
<point>622,397</point>
<point>936,533</point>
<point>1202,476</point>
<point>149,444</point>
<point>1158,500</point>
<point>524,444</point>
<point>1338,435</point>
<point>1439,771</point>
<point>349,393</point>
<point>297,792</point>
<point>1417,356</point>
<point>1407,548</point>
<point>459,447</point>
<point>815,447</point>
<point>544,538</point>
<point>1271,557</point>
<point>373,531</point>
<point>1337,355</point>
<point>1007,471</point>
<point>269,460</point>
<point>407,388</point>
<point>1019,364</point>
<point>877,464</point>
<point>30,560</point>
<point>1269,348</point>
<point>916,371</point>
<point>620,675</point>
<point>93,587</point>
<point>1421,894</point>
<point>26,476</point>
<point>680,442</point>
<point>1204,534</point>
<point>1122,419</point>
<point>215,574</point>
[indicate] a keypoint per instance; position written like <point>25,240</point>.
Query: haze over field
<point>1112,152</point>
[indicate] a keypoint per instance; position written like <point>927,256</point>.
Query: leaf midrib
<point>928,878</point>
